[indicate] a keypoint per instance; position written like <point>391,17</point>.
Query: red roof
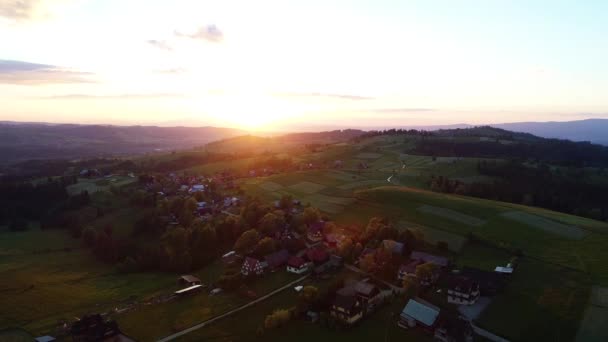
<point>317,255</point>
<point>251,263</point>
<point>296,262</point>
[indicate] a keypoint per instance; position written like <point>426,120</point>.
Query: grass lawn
<point>541,303</point>
<point>46,277</point>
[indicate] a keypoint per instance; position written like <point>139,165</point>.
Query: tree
<point>265,246</point>
<point>190,204</point>
<point>368,263</point>
<point>247,241</point>
<point>286,202</point>
<point>425,272</point>
<point>277,319</point>
<point>89,236</point>
<point>311,215</point>
<point>204,244</point>
<point>308,297</point>
<point>411,286</point>
<point>271,223</point>
<point>345,249</point>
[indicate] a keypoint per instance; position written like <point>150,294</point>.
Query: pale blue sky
<point>285,63</point>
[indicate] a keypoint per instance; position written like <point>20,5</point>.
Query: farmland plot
<point>451,215</point>
<point>571,232</point>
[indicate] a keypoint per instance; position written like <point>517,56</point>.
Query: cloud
<point>129,96</point>
<point>160,44</point>
<point>19,9</point>
<point>172,71</point>
<point>402,110</point>
<point>209,33</point>
<point>328,95</point>
<point>19,72</point>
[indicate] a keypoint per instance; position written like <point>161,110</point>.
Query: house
<point>252,266</point>
<point>394,246</point>
<point>94,328</point>
<point>277,259</point>
<point>453,329</point>
<point>297,265</point>
<point>197,188</point>
<point>408,269</point>
<point>462,290</point>
<point>346,309</point>
<point>315,232</point>
<point>188,280</point>
<point>368,294</point>
<point>505,270</point>
<point>418,312</point>
<point>317,255</point>
<point>426,257</point>
<point>490,283</point>
<point>335,261</point>
<point>45,338</point>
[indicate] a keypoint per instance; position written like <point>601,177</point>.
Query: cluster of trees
<point>409,132</point>
<point>552,151</point>
<point>190,160</point>
<point>25,200</point>
<point>570,190</point>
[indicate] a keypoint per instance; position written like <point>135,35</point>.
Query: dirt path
<point>224,315</point>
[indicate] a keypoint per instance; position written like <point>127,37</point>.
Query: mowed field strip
<point>307,187</point>
<point>451,215</point>
<point>594,325</point>
<point>432,235</point>
<point>571,232</point>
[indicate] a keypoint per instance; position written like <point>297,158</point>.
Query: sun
<point>252,112</point>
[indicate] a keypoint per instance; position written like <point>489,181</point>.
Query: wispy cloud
<point>26,73</point>
<point>327,95</point>
<point>129,96</point>
<point>210,33</point>
<point>160,44</point>
<point>18,9</point>
<point>402,110</point>
<point>172,71</point>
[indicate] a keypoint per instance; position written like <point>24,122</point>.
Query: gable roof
<point>462,284</point>
<point>277,259</point>
<point>410,267</point>
<point>365,288</point>
<point>296,262</point>
<point>426,257</point>
<point>421,311</point>
<point>251,263</point>
<point>393,246</point>
<point>316,255</point>
<point>345,302</point>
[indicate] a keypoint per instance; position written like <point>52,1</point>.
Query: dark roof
<point>410,267</point>
<point>316,227</point>
<point>488,281</point>
<point>455,327</point>
<point>189,278</point>
<point>345,302</point>
<point>462,284</point>
<point>426,257</point>
<point>393,246</point>
<point>277,259</point>
<point>365,288</point>
<point>295,261</point>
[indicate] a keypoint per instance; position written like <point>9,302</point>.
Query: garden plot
<point>451,215</point>
<point>270,186</point>
<point>594,325</point>
<point>307,187</point>
<point>368,155</point>
<point>431,235</point>
<point>361,184</point>
<point>571,232</point>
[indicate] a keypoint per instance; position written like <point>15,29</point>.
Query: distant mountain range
<point>592,130</point>
<point>26,141</point>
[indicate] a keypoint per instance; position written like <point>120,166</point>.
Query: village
<point>442,300</point>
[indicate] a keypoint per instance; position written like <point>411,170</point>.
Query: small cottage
<point>252,266</point>
<point>346,309</point>
<point>297,265</point>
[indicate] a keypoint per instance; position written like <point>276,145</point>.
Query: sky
<point>291,64</point>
